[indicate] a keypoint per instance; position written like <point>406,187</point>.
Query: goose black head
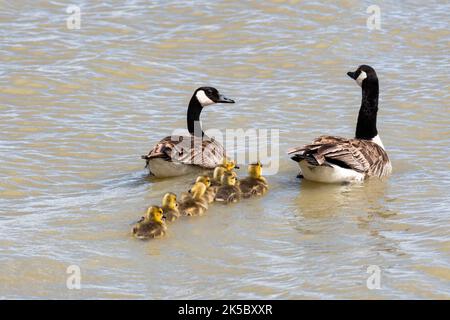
<point>209,95</point>
<point>363,74</point>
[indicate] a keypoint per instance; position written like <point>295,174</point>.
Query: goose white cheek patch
<point>203,98</point>
<point>361,77</point>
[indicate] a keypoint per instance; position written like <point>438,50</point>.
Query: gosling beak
<point>164,218</point>
<point>236,167</point>
<point>352,75</point>
<point>223,99</point>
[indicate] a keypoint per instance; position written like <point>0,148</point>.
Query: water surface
<point>79,107</point>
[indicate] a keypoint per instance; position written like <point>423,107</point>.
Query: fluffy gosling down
<point>195,203</point>
<point>210,192</point>
<point>255,184</point>
<point>229,191</point>
<point>152,226</point>
<point>217,177</point>
<point>170,207</point>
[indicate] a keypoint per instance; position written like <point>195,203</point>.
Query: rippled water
<point>79,107</point>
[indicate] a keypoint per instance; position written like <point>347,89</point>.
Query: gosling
<point>229,191</point>
<point>255,184</point>
<point>170,207</point>
<point>216,180</point>
<point>152,226</point>
<point>194,204</point>
<point>211,191</point>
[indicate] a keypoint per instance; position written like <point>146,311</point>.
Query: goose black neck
<point>193,118</point>
<point>366,128</point>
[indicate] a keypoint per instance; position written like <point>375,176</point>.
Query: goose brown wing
<point>206,153</point>
<point>360,155</point>
<point>310,152</point>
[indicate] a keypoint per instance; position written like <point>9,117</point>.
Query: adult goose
<point>179,155</point>
<point>334,159</point>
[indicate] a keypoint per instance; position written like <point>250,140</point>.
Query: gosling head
<point>154,214</point>
<point>209,95</point>
<point>218,173</point>
<point>228,164</point>
<point>255,170</point>
<point>198,190</point>
<point>364,75</point>
<point>229,179</point>
<point>205,180</point>
<point>170,201</point>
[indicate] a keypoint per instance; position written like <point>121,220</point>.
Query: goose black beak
<point>352,75</point>
<point>223,99</point>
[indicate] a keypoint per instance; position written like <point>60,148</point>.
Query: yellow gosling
<point>152,226</point>
<point>255,184</point>
<point>170,207</point>
<point>210,192</point>
<point>229,191</point>
<point>217,176</point>
<point>194,204</point>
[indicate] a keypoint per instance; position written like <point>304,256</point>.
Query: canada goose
<point>229,191</point>
<point>335,159</point>
<point>255,184</point>
<point>170,207</point>
<point>194,204</point>
<point>152,226</point>
<point>179,155</point>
